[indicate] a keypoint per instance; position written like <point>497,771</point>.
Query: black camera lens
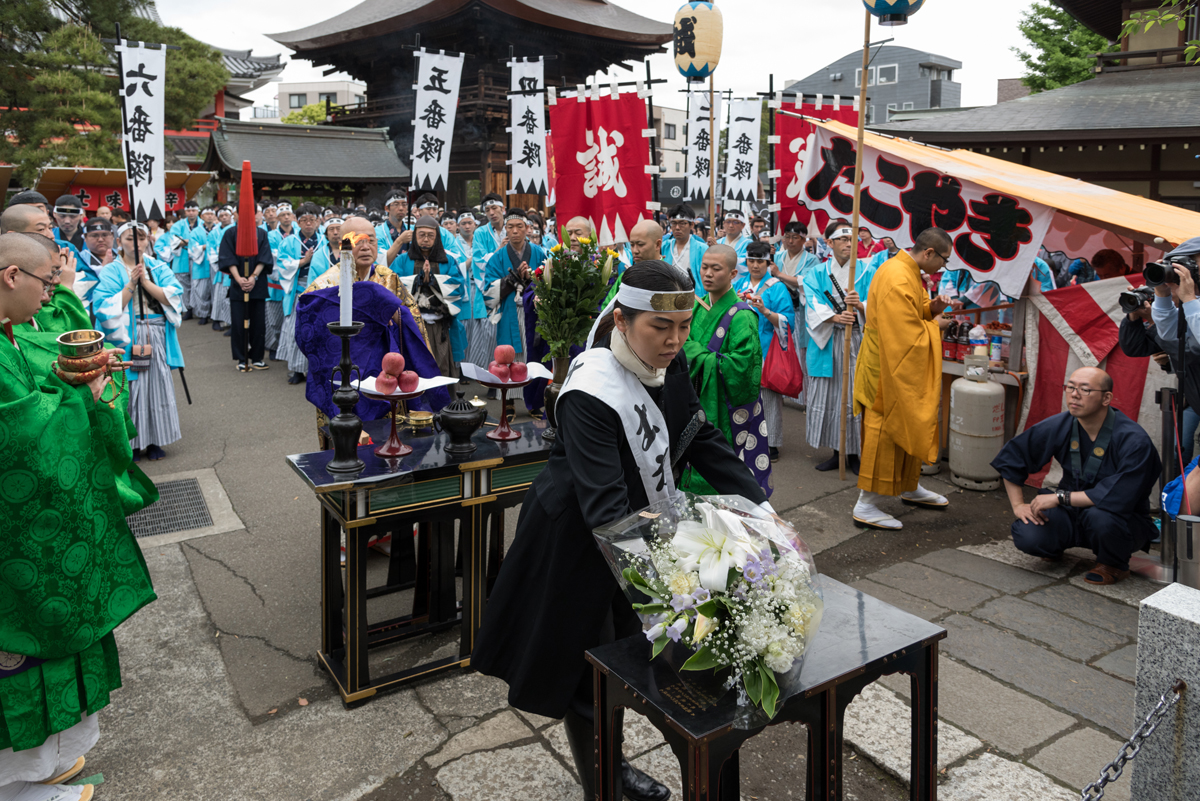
<point>1157,274</point>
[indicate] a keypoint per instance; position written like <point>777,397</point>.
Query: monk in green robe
<point>70,568</point>
<point>731,374</point>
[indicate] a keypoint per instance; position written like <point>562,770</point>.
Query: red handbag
<point>781,369</point>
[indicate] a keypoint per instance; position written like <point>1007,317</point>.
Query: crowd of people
<point>716,327</point>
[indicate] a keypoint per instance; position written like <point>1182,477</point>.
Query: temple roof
<point>372,18</point>
<point>304,153</point>
<point>1146,103</point>
<point>1100,16</point>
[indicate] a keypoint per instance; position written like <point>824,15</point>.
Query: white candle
<point>346,288</point>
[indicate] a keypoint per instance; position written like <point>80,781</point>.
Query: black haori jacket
<point>555,590</point>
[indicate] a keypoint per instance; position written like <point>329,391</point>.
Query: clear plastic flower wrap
<point>726,580</point>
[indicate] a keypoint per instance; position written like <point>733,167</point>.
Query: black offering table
<point>433,490</point>
<point>860,640</point>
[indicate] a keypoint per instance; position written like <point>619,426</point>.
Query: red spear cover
<point>247,232</point>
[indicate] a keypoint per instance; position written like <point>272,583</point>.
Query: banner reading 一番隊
<point>600,160</point>
<point>996,235</point>
<point>741,149</point>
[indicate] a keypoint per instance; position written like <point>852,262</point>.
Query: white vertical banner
<point>741,150</point>
<point>438,79</point>
<point>143,73</point>
<point>528,120</point>
<point>700,151</point>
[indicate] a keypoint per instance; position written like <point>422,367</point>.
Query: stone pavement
<point>223,699</point>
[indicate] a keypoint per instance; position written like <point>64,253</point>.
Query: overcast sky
<point>784,37</point>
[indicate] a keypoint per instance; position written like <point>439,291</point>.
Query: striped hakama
<point>199,298</point>
<point>274,324</point>
<point>220,307</point>
<point>288,351</point>
<point>152,394</point>
<point>773,413</point>
<point>185,283</point>
<point>823,418</point>
<point>481,341</point>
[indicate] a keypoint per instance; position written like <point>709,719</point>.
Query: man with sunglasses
<point>68,216</point>
<point>1109,467</point>
<point>898,381</point>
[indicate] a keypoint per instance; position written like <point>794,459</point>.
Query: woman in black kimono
<point>555,596</point>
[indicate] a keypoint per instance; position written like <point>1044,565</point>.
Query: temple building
<point>367,42</point>
<point>1133,126</point>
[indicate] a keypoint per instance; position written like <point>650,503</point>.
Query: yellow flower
<point>704,627</point>
<point>557,248</point>
<point>585,240</point>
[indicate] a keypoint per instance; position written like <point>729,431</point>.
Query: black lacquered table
<point>860,640</point>
<point>433,491</point>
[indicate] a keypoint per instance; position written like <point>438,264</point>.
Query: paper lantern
<point>698,32</point>
<point>893,12</point>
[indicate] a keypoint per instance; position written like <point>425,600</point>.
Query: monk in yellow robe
<point>898,381</point>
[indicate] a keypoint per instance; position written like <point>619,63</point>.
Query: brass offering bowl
<point>420,419</point>
<point>80,344</point>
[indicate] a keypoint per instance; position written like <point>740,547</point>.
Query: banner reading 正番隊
<point>143,73</point>
<point>700,132</point>
<point>528,127</point>
<point>600,160</point>
<point>438,77</point>
<point>741,150</point>
<point>996,235</point>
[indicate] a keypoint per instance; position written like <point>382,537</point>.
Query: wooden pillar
<point>1155,171</point>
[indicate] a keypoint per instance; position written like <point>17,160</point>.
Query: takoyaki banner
<point>996,234</point>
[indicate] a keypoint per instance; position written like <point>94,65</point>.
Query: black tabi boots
<point>636,785</point>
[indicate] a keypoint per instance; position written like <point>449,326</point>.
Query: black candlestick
<point>346,428</point>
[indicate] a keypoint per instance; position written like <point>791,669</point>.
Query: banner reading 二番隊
<point>600,160</point>
<point>996,235</point>
<point>701,129</point>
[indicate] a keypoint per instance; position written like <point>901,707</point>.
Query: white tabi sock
<point>867,512</point>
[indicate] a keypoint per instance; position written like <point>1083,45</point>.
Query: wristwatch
<point>1064,497</point>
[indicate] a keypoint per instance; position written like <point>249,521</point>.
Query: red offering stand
<point>503,432</point>
<point>394,446</point>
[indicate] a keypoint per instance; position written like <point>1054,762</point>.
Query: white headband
<point>334,221</point>
<point>489,203</point>
<point>396,199</point>
<point>466,216</point>
<point>681,218</point>
<point>734,215</point>
<point>427,205</point>
<point>630,297</point>
<point>520,217</point>
<point>282,207</point>
<point>843,231</point>
<point>132,224</point>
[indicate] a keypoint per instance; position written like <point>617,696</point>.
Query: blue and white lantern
<point>893,12</point>
<point>698,32</point>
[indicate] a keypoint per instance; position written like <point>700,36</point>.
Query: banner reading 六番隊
<point>996,235</point>
<point>600,160</point>
<point>143,73</point>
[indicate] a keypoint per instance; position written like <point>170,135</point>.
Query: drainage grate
<point>180,507</point>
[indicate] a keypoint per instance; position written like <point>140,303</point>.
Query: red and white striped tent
<point>1077,326</point>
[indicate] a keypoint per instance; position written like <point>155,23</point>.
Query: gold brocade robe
<point>899,373</point>
<point>385,278</point>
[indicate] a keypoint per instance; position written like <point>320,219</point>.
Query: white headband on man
<point>845,230</point>
<point>681,217</point>
<point>334,221</point>
<point>466,215</point>
<point>487,204</point>
<point>517,216</point>
<point>282,207</point>
<point>735,215</point>
<point>630,297</point>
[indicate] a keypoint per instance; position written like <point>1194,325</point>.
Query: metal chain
<point>1133,746</point>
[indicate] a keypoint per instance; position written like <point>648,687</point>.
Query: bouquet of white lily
<point>725,578</point>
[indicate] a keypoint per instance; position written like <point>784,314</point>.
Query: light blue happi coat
<point>695,255</point>
<point>775,298</point>
<point>816,282</point>
<point>504,315</point>
<point>117,320</point>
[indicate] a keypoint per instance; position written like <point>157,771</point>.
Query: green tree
<point>1061,48</point>
<point>53,69</point>
<point>195,72</point>
<point>73,116</point>
<point>312,114</point>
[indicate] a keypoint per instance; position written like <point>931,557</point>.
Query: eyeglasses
<point>49,285</point>
<point>945,257</point>
<point>1071,389</point>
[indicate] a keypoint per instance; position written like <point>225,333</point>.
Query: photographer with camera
<point>1139,337</point>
